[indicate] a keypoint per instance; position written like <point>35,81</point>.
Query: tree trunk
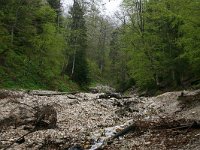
<point>73,64</point>
<point>12,34</point>
<point>58,21</point>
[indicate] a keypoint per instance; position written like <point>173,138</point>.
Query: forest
<point>151,45</point>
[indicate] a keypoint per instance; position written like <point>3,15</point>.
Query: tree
<point>56,5</point>
<point>161,40</point>
<point>77,67</point>
<point>118,59</point>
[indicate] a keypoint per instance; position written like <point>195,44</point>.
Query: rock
<point>46,117</point>
<point>102,89</point>
<point>117,103</point>
<point>71,96</point>
<point>50,144</point>
<point>21,140</point>
<point>143,93</point>
<point>110,95</point>
<point>76,147</point>
<point>4,94</point>
<point>147,143</point>
<point>10,94</point>
<point>20,116</point>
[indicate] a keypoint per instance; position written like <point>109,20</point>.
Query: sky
<point>110,5</point>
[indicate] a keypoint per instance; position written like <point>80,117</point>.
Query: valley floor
<point>88,121</point>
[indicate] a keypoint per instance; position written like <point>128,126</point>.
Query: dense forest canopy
<point>148,44</point>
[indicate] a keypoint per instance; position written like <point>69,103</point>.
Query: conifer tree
<point>77,67</point>
<point>56,5</point>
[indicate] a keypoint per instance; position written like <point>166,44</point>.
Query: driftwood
<point>125,131</point>
<point>19,140</point>
<point>52,94</point>
<point>128,129</point>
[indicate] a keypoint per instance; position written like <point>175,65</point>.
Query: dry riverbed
<point>85,121</point>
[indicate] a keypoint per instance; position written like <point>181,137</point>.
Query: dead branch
<point>125,131</point>
<point>19,139</point>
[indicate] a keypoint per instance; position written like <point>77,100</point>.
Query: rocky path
<point>89,121</point>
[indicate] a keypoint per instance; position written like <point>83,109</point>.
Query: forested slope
<point>149,44</point>
<point>158,45</point>
<point>31,44</point>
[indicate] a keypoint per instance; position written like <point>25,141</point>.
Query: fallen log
<point>130,128</point>
<point>52,94</point>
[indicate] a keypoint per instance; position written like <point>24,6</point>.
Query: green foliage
<point>31,48</point>
<point>190,40</point>
<point>45,15</point>
<point>77,67</point>
<point>156,48</point>
<point>55,4</point>
<point>141,70</point>
<point>94,73</point>
<point>162,38</point>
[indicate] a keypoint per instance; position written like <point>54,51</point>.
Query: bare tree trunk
<point>173,75</point>
<point>58,21</point>
<point>101,67</point>
<point>14,24</point>
<point>58,15</point>
<point>12,34</point>
<point>157,80</point>
<point>102,40</point>
<point>73,64</point>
